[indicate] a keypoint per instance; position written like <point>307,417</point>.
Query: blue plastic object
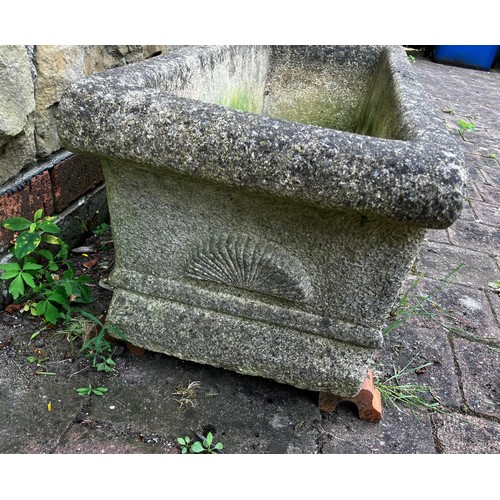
<point>470,56</point>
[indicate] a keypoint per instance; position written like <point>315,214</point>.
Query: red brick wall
<point>52,190</point>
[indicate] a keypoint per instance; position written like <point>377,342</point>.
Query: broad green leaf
<point>197,447</point>
<point>103,367</point>
<point>38,215</point>
<point>63,252</point>
<point>51,314</point>
<point>181,441</point>
<point>26,243</point>
<point>49,227</point>
<point>37,333</point>
<point>68,289</point>
<point>32,227</point>
<point>28,279</point>
<point>52,266</point>
<point>40,308</point>
<point>69,274</point>
<point>53,240</point>
<point>209,439</point>
<point>218,446</point>
<point>84,294</point>
<point>46,253</point>
<point>16,224</point>
<point>31,266</point>
<point>16,287</point>
<point>59,299</point>
<point>13,266</point>
<point>9,275</point>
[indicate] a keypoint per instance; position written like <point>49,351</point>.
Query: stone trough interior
<point>348,90</point>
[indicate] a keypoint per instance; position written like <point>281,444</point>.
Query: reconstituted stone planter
<point>271,239</point>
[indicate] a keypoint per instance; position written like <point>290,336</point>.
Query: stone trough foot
<point>368,401</point>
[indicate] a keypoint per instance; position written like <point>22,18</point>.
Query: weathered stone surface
<point>267,246</point>
<point>437,235</point>
<point>58,66</point>
<point>385,171</point>
<point>487,213</point>
<point>17,104</point>
<point>16,91</point>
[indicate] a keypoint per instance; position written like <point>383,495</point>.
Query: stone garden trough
<point>267,202</point>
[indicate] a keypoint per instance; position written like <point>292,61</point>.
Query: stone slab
<point>27,424</point>
<point>342,434</point>
<point>487,213</point>
<point>17,105</point>
<point>434,257</point>
<point>466,434</point>
<point>98,438</point>
<point>489,192</point>
<point>438,235</point>
<point>413,347</point>
<point>246,414</point>
<point>459,307</point>
<point>479,366</point>
<point>476,236</point>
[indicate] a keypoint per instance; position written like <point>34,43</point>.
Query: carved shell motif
<point>251,264</point>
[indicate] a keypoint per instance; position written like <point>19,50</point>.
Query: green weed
<point>204,445</point>
<point>101,229</point>
<point>37,276</point>
<point>465,125</point>
<point>99,348</point>
<point>405,310</point>
<point>396,392</point>
<point>87,391</point>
